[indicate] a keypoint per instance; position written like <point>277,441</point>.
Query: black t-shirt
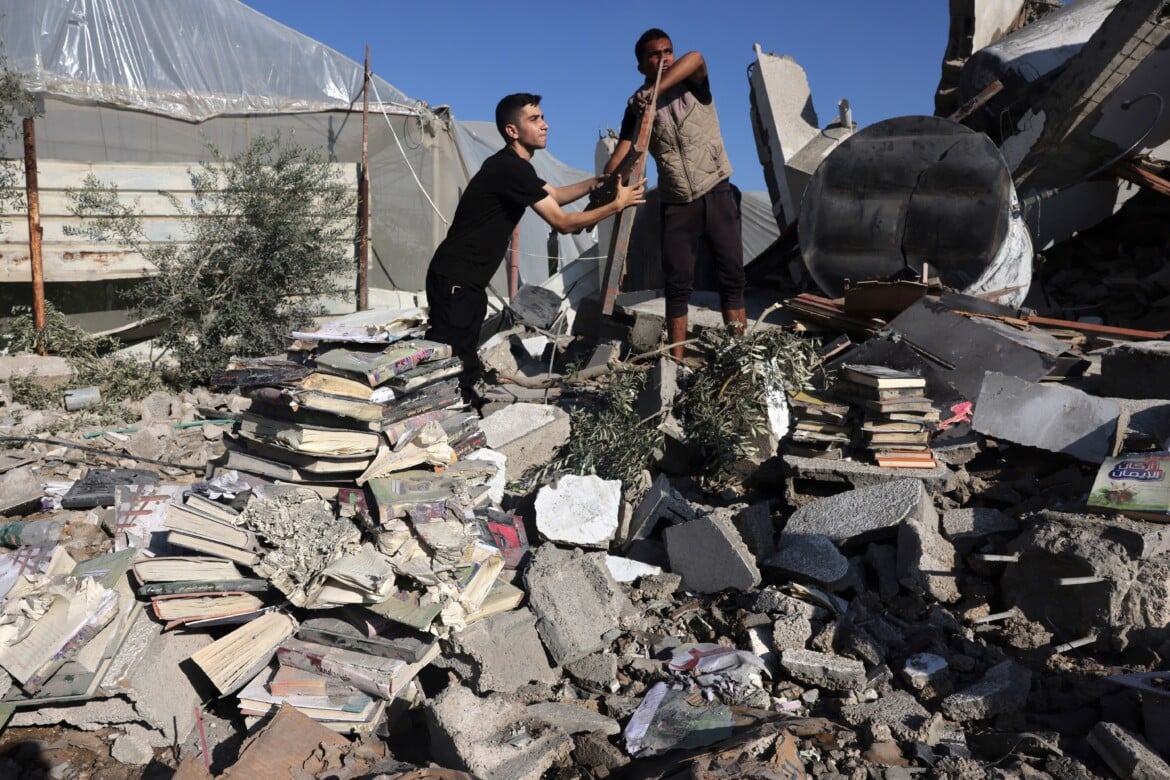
<point>487,213</point>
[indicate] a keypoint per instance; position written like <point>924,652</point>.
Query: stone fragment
<point>598,755</point>
<point>480,735</point>
<point>806,479</point>
<point>1003,689</point>
<point>824,670</point>
<point>527,434</point>
<point>809,557</point>
<point>572,718</point>
<point>505,652</point>
<point>580,510</point>
<point>576,601</point>
<point>596,672</point>
<point>862,514</point>
<point>1126,754</point>
<point>628,570</point>
<point>922,669</point>
<point>131,749</point>
<point>710,556</point>
<point>899,711</point>
<point>661,502</point>
<point>657,397</point>
<point>792,632</point>
<point>757,530</point>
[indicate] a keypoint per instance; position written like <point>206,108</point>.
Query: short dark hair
<point>652,34</point>
<point>508,109</point>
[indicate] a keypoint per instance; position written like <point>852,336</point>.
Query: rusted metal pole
<point>32,195</point>
<point>514,264</point>
<point>363,283</point>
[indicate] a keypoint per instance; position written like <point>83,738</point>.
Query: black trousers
<point>457,311</point>
<point>713,218</point>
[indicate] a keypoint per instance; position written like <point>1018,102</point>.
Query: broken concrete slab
<point>657,397</point>
<point>824,670</point>
<point>862,514</point>
<point>596,672</point>
<point>1003,689</point>
<point>528,434</point>
<point>580,510</point>
<point>576,601</point>
<point>480,735</point>
<point>572,718</point>
<point>628,570</point>
<point>1050,417</point>
<point>710,555</point>
<point>757,529</point>
<point>809,557</point>
<point>505,652</point>
<point>1127,754</point>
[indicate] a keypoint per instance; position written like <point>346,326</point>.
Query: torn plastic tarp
<point>188,59</point>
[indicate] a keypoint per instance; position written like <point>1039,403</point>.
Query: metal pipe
<point>36,261</point>
<point>1062,581</point>
<point>1085,640</point>
<point>995,616</point>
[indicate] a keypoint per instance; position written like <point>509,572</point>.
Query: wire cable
<point>405,159</point>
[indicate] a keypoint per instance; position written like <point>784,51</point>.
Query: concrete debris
<point>951,535</point>
<point>710,556</point>
<point>576,601</point>
<point>583,511</point>
<point>1003,689</point>
<point>492,737</point>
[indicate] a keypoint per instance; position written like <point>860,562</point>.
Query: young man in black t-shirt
<point>489,210</point>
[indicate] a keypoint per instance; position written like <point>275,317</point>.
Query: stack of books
<point>352,411</point>
<point>821,428</point>
<point>897,417</point>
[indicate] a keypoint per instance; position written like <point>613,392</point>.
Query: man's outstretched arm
<point>564,222</point>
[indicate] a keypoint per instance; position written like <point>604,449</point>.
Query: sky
<point>885,58</point>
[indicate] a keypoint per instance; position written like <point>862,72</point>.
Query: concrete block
<point>926,561</point>
<point>478,735</point>
<point>792,632</point>
<point>757,529</point>
<point>646,332</point>
<point>576,601</point>
<point>527,434</point>
<point>809,557</point>
<point>898,711</point>
<point>808,479</point>
<point>862,514</point>
<point>572,718</point>
<point>1051,417</point>
<point>824,670</point>
<point>710,556</point>
<point>1126,754</point>
<point>49,371</point>
<point>661,502</point>
<point>595,672</point>
<point>1147,361</point>
<point>580,510</point>
<point>603,355</point>
<point>1003,689</point>
<point>505,652</point>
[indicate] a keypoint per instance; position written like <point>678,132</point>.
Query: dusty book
<point>906,459</point>
<point>881,377</point>
<point>843,387</point>
<point>426,374</point>
<point>139,514</point>
<point>234,659</point>
<point>175,568</point>
<point>337,385</point>
<point>291,681</point>
<point>177,609</point>
<point>876,440</point>
<point>503,597</point>
<point>238,457</point>
<point>256,697</point>
<point>208,507</point>
<point>218,549</point>
<point>374,675</point>
<point>181,587</point>
<point>198,524</point>
<point>312,439</point>
<point>377,367</point>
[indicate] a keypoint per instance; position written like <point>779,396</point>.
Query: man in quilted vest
<point>698,201</point>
